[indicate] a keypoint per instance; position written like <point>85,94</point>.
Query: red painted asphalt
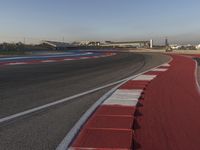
<point>165,118</point>
<point>112,125</point>
<point>134,85</point>
<point>109,128</point>
<point>169,117</point>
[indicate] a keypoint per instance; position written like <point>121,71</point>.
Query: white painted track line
<point>145,78</point>
<point>16,63</point>
<point>47,61</point>
<point>124,96</point>
<point>160,69</point>
<point>129,91</point>
<point>14,116</point>
<point>121,98</point>
<point>65,143</point>
<point>165,65</point>
<point>121,102</point>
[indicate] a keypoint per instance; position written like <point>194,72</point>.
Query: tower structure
<point>166,42</point>
<point>151,43</point>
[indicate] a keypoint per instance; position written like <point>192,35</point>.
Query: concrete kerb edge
<point>71,135</point>
<point>195,74</point>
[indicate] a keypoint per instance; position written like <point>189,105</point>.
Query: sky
<point>117,20</point>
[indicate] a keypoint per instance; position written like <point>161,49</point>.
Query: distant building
<point>198,47</point>
<point>130,44</point>
<point>188,47</point>
<point>175,47</point>
<point>94,43</point>
<point>57,45</point>
<point>183,47</point>
<point>90,43</point>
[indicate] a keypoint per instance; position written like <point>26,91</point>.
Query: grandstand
<point>136,44</point>
<point>58,45</point>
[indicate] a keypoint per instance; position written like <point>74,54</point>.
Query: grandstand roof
<point>57,44</point>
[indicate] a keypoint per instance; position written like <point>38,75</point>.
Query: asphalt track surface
<point>169,119</point>
<point>27,86</point>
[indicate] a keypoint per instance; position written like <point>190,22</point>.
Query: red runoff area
<point>109,128</point>
<point>169,119</point>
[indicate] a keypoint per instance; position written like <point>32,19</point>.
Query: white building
<point>175,46</point>
<point>130,44</point>
<point>57,45</point>
<point>198,47</point>
<point>89,43</point>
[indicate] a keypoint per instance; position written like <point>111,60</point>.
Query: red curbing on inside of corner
<point>112,125</point>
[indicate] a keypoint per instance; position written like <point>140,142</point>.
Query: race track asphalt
<point>27,86</point>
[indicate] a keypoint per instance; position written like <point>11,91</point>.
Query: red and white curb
<point>53,60</point>
<point>108,124</point>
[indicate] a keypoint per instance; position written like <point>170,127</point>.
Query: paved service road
<point>27,86</point>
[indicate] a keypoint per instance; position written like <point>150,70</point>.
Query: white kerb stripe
<point>46,61</point>
<point>132,91</point>
<point>126,94</point>
<point>17,63</point>
<point>121,103</point>
<point>124,98</point>
<point>160,69</point>
<point>166,65</point>
<point>121,98</point>
<point>145,77</point>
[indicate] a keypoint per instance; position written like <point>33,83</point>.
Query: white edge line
<point>8,118</point>
<point>195,72</point>
<point>65,143</point>
<point>17,115</point>
<point>76,128</point>
<point>196,76</point>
